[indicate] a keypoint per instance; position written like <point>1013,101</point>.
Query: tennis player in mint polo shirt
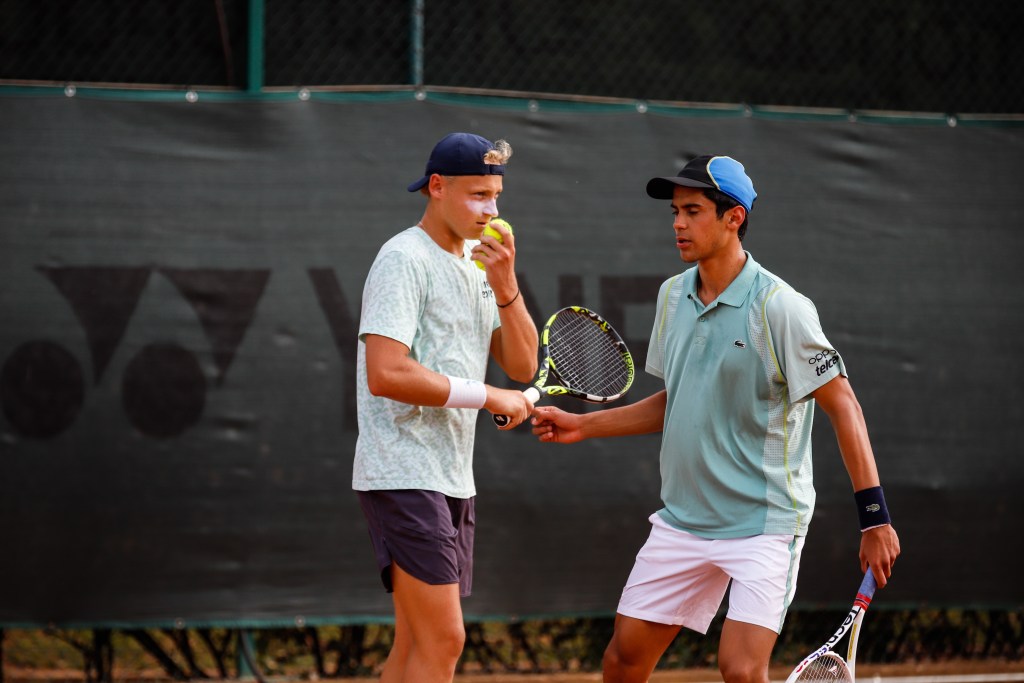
<point>744,361</point>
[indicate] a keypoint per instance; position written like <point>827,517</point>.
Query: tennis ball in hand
<point>495,234</point>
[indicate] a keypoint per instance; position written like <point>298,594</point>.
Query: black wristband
<point>871,509</point>
<point>510,302</point>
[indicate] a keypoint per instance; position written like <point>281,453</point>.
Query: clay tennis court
<point>921,672</point>
<point>933,672</point>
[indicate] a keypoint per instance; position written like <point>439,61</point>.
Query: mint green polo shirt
<point>736,447</point>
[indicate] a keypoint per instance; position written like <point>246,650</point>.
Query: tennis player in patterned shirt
<point>430,320</point>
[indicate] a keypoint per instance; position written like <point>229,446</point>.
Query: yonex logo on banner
<point>164,384</point>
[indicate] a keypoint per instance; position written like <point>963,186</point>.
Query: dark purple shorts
<point>426,533</point>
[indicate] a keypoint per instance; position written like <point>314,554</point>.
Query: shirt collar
<point>736,293</point>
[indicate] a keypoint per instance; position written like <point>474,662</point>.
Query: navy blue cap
<point>724,174</point>
<point>459,154</point>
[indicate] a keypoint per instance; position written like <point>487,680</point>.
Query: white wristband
<point>466,393</point>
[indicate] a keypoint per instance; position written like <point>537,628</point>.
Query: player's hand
<point>499,259</point>
<point>879,548</point>
<point>509,402</point>
<point>552,425</point>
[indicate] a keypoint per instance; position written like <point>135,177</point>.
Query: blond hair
<point>500,154</point>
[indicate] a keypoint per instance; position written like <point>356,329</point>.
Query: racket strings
<point>586,357</point>
<point>828,668</point>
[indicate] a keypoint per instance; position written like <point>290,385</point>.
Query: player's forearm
<point>855,446</point>
<point>837,400</point>
<point>517,342</point>
<point>409,382</point>
<point>643,417</point>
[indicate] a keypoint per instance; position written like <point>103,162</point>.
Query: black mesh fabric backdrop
<point>180,287</point>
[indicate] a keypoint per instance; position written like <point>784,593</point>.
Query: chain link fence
<point>916,55</point>
<point>196,42</point>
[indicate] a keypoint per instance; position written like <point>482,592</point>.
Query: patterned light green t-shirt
<point>443,309</point>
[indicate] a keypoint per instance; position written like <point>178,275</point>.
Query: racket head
<point>828,668</point>
<point>813,668</point>
<point>584,357</point>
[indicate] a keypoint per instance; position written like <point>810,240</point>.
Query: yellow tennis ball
<point>488,230</point>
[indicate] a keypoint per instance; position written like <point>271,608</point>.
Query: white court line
<point>950,678</point>
<point>947,678</point>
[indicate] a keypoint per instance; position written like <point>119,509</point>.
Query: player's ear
<point>736,216</point>
<point>435,185</point>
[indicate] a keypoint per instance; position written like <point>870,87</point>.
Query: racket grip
<point>868,585</point>
<point>532,394</point>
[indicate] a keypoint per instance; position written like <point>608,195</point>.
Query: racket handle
<point>868,585</point>
<point>532,394</point>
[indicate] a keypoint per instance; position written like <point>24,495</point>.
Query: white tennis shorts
<point>681,579</point>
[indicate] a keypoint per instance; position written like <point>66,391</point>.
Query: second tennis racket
<point>584,357</point>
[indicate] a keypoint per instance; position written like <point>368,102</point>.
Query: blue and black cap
<point>459,154</point>
<point>724,174</point>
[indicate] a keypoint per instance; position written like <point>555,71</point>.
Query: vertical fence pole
<point>416,42</point>
<point>254,82</point>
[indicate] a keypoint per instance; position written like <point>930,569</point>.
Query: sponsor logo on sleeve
<point>823,360</point>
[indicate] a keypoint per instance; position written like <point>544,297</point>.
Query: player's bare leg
<point>745,651</point>
<point>635,649</point>
<point>394,667</point>
<point>429,631</point>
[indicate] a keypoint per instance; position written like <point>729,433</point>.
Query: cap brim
<point>664,188</point>
<point>419,184</point>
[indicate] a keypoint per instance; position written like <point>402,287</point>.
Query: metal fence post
<point>254,81</point>
<point>416,42</point>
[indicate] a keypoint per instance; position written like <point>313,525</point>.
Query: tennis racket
<point>584,357</point>
<point>824,664</point>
